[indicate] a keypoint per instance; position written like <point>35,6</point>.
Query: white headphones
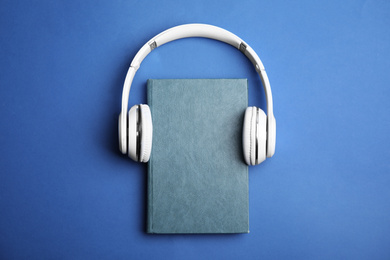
<point>136,129</point>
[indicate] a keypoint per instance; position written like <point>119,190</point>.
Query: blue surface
<point>65,190</point>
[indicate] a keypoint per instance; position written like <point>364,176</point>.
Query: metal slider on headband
<point>242,47</point>
<point>153,45</point>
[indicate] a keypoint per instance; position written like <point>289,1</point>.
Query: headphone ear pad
<point>147,134</point>
<point>246,135</point>
<point>254,136</point>
<point>133,133</point>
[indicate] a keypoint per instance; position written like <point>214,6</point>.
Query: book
<point>197,177</point>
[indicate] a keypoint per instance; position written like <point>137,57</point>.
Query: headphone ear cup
<point>140,133</point>
<point>271,138</point>
<point>254,136</point>
<point>147,134</point>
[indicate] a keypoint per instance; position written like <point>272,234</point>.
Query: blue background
<point>66,191</point>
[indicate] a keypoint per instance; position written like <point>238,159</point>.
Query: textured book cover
<point>197,177</point>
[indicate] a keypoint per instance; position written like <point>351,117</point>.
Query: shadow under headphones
<point>136,129</point>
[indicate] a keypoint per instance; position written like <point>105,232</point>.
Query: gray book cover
<point>197,177</point>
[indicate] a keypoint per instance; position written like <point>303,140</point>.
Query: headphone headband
<point>203,31</point>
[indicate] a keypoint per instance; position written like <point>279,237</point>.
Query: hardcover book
<point>197,177</point>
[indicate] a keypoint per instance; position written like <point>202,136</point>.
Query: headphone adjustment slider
<point>153,45</point>
<point>242,47</point>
